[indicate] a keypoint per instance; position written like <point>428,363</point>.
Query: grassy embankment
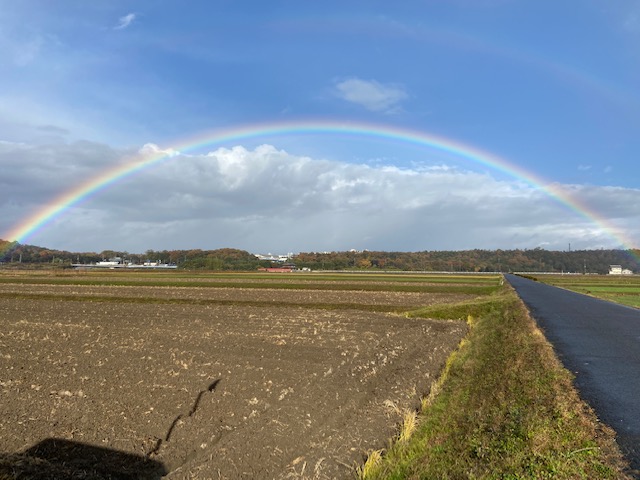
<point>504,408</point>
<point>615,288</point>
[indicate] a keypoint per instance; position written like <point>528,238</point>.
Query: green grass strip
<point>457,311</point>
<point>622,290</point>
<point>630,300</point>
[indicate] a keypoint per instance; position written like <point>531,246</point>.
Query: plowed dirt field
<point>209,390</point>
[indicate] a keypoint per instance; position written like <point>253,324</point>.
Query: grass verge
<point>622,289</point>
<point>506,408</point>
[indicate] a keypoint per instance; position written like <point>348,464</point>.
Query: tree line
<point>533,260</point>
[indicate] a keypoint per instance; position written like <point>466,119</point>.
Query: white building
<point>618,270</point>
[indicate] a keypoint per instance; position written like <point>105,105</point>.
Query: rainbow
<point>215,138</point>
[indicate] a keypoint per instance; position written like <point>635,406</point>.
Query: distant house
<point>618,270</point>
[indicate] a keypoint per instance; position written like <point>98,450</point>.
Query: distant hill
<point>535,260</point>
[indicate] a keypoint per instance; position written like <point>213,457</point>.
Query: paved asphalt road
<point>599,342</point>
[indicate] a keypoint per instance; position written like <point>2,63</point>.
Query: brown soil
<point>276,296</point>
<point>210,391</point>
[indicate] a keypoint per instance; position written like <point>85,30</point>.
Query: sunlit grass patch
<point>409,425</point>
<point>460,311</point>
<point>370,466</point>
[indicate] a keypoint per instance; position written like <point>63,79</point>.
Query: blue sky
<point>550,86</point>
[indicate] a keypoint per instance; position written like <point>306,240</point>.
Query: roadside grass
<point>624,295</point>
<point>630,300</point>
<point>619,289</point>
<point>505,408</point>
<point>629,280</point>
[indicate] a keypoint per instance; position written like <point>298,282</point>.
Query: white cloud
<point>371,94</point>
<point>125,21</point>
<point>584,168</point>
<point>269,200</point>
<point>153,149</point>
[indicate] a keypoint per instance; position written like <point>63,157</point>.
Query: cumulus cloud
<point>266,199</point>
<point>125,21</point>
<point>371,94</point>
